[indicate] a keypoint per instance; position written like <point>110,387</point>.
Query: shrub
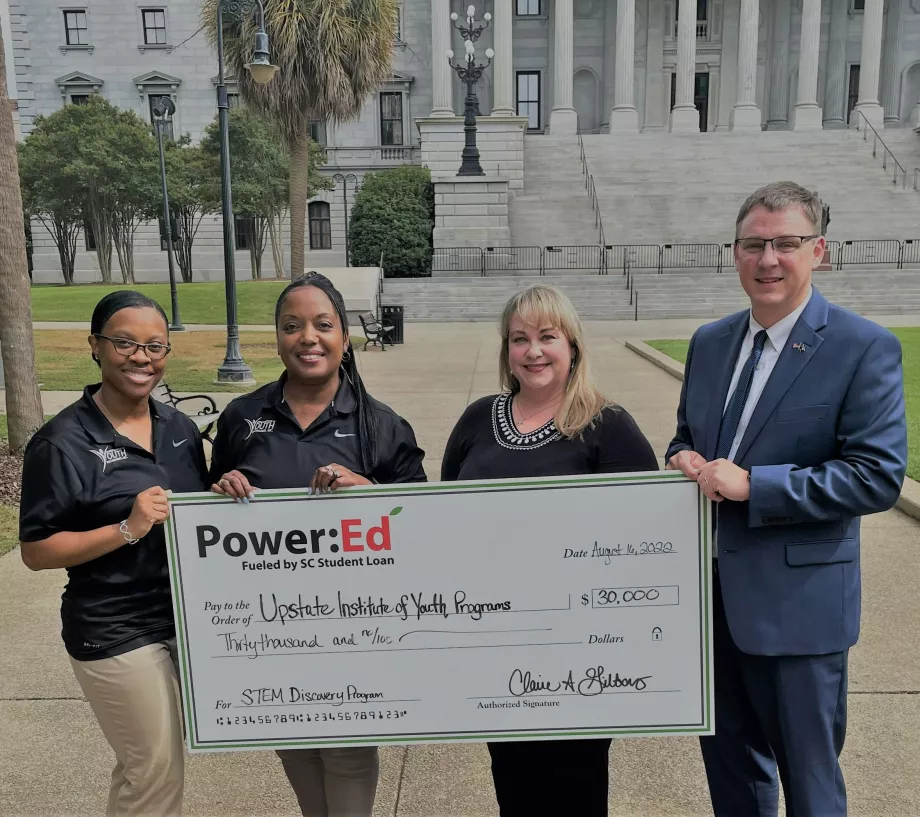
<point>393,216</point>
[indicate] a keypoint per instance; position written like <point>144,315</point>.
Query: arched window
<point>320,226</point>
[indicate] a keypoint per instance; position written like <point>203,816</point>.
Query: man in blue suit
<point>791,418</point>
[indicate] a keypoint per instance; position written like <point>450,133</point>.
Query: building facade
<point>560,66</point>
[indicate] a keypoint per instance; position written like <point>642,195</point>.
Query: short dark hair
<point>367,418</point>
<point>780,196</point>
<point>118,300</point>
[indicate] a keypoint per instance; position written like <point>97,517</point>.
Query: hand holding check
<point>719,479</point>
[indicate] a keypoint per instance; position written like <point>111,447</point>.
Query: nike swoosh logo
<point>180,442</point>
<point>338,434</point>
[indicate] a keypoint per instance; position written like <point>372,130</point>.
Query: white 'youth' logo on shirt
<point>107,455</point>
<point>259,427</point>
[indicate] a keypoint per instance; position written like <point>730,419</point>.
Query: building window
<point>152,100</point>
<point>529,8</point>
<point>318,131</point>
<point>528,97</point>
<point>89,237</point>
<point>154,26</point>
<point>852,91</point>
<point>858,5</point>
<point>242,229</point>
<point>79,99</point>
<point>399,11</point>
<point>233,101</point>
<point>391,120</point>
<point>76,31</point>
<point>320,226</point>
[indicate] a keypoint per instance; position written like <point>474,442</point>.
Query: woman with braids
<point>94,497</point>
<point>318,428</point>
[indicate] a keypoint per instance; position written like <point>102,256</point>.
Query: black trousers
<point>552,778</point>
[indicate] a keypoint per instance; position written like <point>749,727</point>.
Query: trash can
<point>393,316</point>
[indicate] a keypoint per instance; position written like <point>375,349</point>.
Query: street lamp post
<point>350,177</point>
<point>233,369</point>
<point>470,73</point>
<point>162,110</point>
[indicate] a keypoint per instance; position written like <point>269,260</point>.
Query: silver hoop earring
<point>346,356</point>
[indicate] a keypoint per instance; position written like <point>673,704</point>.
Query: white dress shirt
<point>777,337</point>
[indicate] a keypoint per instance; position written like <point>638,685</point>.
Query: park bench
<point>205,418</point>
<point>374,331</point>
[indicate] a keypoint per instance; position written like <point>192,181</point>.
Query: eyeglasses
<point>783,244</point>
<point>155,351</point>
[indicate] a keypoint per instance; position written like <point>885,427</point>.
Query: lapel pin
<point>799,346</point>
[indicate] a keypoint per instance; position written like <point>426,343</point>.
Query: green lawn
<point>910,343</point>
<point>198,303</point>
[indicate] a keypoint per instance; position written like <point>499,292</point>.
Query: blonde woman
<point>549,420</point>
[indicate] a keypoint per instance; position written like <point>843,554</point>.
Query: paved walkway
<point>54,760</point>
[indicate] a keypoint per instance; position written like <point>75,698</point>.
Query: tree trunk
<point>23,402</point>
<point>102,233</point>
<point>65,235</point>
<point>257,245</point>
<point>299,193</point>
<point>124,246</point>
<point>275,223</point>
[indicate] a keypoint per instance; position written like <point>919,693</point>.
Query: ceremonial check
<point>517,609</point>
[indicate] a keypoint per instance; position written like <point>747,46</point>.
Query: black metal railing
<point>899,174</point>
<point>585,259</point>
<point>694,256</point>
<point>868,252</point>
<point>596,259</point>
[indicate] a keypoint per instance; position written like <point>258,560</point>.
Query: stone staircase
<point>553,209</point>
<point>656,188</point>
<point>596,297</point>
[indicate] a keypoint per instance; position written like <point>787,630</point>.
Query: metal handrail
<point>379,286</point>
<point>916,174</point>
<point>592,191</point>
<point>875,142</point>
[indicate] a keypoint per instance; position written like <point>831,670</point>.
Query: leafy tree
<point>393,216</point>
<point>23,402</point>
<point>332,54</point>
<point>50,197</point>
<point>259,171</point>
<point>190,176</point>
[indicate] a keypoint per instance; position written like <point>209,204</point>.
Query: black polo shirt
<point>80,475</point>
<point>258,435</point>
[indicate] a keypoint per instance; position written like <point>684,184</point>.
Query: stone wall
<point>471,211</point>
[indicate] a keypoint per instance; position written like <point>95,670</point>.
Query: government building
<point>611,73</point>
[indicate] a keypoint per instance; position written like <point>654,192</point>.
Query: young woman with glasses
<point>94,497</point>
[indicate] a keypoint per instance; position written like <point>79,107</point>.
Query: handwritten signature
<point>596,681</point>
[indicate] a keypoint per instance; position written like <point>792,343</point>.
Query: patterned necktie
<point>735,408</point>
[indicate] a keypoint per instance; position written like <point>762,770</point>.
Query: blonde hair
<point>542,304</point>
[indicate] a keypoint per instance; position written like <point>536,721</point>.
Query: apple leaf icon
<point>396,511</point>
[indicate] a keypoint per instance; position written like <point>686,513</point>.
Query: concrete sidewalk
<point>54,759</point>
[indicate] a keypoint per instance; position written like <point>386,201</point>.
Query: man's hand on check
<point>721,479</point>
<point>687,461</point>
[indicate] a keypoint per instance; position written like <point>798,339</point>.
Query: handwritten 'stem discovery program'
<point>523,609</point>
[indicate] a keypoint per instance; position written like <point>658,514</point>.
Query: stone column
<point>685,117</point>
<point>502,66</point>
<point>655,77</point>
<point>869,62</point>
<point>778,104</point>
<point>624,116</point>
<point>746,114</point>
<point>835,80</point>
<point>442,103</point>
<point>891,62</point>
<point>807,114</point>
<point>562,119</point>
<point>915,117</point>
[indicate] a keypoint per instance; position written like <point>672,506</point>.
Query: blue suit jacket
<point>826,444</point>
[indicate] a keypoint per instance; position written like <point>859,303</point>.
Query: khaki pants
<point>333,782</point>
<point>135,698</point>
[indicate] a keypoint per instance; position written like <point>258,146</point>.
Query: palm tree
<point>23,402</point>
<point>332,54</point>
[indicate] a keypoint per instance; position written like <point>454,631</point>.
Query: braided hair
<point>367,418</point>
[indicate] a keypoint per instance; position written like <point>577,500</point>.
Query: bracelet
<point>123,527</point>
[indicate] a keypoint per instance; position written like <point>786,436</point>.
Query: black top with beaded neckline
<point>486,444</point>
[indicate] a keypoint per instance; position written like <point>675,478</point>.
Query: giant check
<point>521,609</point>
